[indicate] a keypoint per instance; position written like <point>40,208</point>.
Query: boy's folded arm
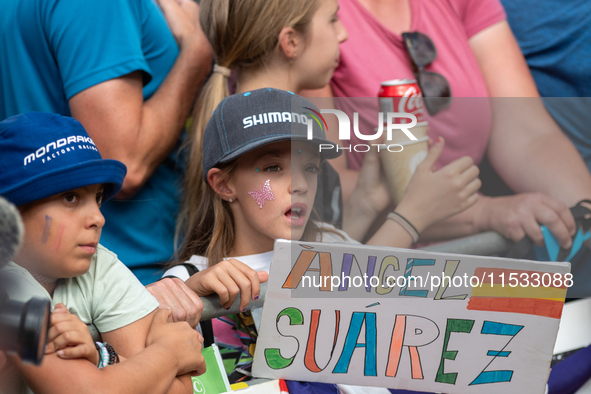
<point>141,369</point>
<point>181,384</point>
<point>152,370</point>
<point>131,339</point>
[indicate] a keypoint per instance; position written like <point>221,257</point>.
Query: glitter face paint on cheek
<point>264,194</point>
<point>60,233</point>
<point>46,229</point>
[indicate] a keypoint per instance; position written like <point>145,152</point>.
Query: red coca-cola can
<point>402,95</point>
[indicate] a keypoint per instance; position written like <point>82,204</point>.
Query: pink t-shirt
<point>374,54</point>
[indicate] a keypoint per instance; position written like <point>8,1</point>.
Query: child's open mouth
<point>296,214</point>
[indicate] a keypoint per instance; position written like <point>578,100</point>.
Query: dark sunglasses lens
<point>420,48</point>
<point>436,92</point>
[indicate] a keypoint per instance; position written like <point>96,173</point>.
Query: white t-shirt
<point>258,262</point>
<point>261,261</point>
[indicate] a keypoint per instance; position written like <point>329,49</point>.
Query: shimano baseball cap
<point>246,121</point>
<point>43,154</point>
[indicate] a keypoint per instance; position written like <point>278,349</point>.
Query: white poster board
<point>488,327</point>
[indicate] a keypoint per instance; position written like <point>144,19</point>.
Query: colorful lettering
<point>453,325</point>
<point>273,356</point>
<point>310,356</point>
<point>409,266</point>
<point>495,328</point>
<point>302,265</point>
<point>351,343</point>
<point>413,332</point>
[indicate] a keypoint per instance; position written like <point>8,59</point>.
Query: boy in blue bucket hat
<point>52,171</point>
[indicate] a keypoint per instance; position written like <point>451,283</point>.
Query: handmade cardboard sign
<point>408,319</point>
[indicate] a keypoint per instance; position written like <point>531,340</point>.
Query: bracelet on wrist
<point>113,356</point>
<point>402,221</point>
<point>103,354</point>
<point>107,355</point>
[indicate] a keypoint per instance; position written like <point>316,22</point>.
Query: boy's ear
<point>218,181</point>
<point>290,42</point>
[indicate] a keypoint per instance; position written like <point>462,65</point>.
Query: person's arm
<point>430,197</point>
<point>141,134</point>
<point>131,339</point>
<point>526,148</point>
<point>69,338</point>
<point>173,293</point>
<point>170,349</point>
<point>10,381</point>
<point>524,135</point>
<point>229,279</point>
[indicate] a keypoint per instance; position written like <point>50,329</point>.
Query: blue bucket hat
<point>44,154</point>
<point>246,121</point>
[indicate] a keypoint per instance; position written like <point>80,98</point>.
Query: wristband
<point>103,354</point>
<point>113,356</point>
<point>401,220</point>
<point>107,355</point>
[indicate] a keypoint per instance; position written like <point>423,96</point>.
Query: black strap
<point>206,326</point>
<point>207,330</point>
<point>191,269</point>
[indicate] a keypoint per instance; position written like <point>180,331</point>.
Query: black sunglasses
<point>435,87</point>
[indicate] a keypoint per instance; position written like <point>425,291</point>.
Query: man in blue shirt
<point>117,67</point>
<point>129,71</point>
<point>556,41</point>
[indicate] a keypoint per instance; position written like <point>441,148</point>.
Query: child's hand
<point>371,194</point>
<point>182,342</point>
<point>229,278</point>
<point>173,293</point>
<point>432,196</point>
<point>70,337</point>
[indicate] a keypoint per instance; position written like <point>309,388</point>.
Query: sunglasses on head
<point>435,87</point>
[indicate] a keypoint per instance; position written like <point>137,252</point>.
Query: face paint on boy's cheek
<point>60,233</point>
<point>264,194</point>
<point>46,229</point>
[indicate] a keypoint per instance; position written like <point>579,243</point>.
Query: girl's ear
<point>290,42</point>
<point>218,181</point>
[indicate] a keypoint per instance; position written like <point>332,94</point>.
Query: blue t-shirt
<point>52,49</point>
<point>556,41</point>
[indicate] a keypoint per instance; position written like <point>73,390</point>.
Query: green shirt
<point>106,298</point>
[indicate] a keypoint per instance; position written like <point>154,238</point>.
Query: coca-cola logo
<point>410,101</point>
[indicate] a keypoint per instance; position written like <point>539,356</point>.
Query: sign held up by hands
<point>409,319</point>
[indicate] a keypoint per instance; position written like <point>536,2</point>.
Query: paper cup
<point>419,131</point>
<point>399,167</point>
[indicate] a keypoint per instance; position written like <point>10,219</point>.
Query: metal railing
<point>490,243</point>
<point>484,244</point>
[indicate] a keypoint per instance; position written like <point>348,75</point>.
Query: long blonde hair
<point>243,34</point>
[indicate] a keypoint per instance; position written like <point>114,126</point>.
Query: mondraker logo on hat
<point>49,151</point>
<point>43,154</point>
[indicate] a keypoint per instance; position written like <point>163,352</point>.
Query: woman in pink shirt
<point>478,55</point>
